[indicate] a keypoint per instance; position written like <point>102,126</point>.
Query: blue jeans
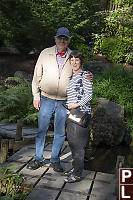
<point>47,108</point>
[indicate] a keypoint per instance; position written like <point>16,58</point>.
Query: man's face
<point>62,43</point>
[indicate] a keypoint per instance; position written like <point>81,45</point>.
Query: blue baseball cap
<point>63,31</point>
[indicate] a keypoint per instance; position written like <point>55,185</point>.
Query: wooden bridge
<point>49,185</point>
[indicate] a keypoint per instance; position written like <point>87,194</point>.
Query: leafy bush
<point>16,102</point>
<point>115,39</point>
<point>37,25</point>
<point>115,84</point>
<point>116,48</point>
<point>78,42</point>
<point>10,184</point>
<point>119,22</point>
<point>129,58</point>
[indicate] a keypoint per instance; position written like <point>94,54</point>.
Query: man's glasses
<point>62,38</point>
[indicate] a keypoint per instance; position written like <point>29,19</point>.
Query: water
<point>103,158</point>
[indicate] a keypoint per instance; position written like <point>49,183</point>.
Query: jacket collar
<point>52,51</point>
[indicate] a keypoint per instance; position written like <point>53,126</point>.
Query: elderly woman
<point>79,94</point>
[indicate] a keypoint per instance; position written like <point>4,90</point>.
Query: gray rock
<point>107,124</point>
<point>27,77</point>
<point>96,67</point>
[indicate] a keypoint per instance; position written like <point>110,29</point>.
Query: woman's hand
<point>72,106</point>
<point>90,77</point>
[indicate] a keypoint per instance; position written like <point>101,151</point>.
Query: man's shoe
<point>34,164</point>
<point>57,167</point>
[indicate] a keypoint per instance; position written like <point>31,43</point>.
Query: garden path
<point>49,185</point>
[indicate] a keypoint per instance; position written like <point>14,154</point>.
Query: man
<point>51,77</point>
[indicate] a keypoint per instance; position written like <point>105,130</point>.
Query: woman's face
<point>75,64</point>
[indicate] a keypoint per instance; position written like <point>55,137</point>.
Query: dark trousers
<point>77,138</point>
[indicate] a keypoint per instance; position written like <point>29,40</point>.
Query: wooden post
<point>4,150</point>
<point>19,130</point>
<point>119,164</point>
<point>11,144</point>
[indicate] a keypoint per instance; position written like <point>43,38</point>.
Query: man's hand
<point>36,104</point>
<point>72,106</point>
<point>90,77</point>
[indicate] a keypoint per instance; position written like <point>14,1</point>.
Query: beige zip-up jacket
<point>46,79</point>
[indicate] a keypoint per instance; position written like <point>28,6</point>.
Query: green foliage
<point>119,22</point>
<point>33,24</point>
<point>16,101</point>
<point>129,58</point>
<point>78,42</point>
<point>10,184</point>
<point>115,84</point>
<point>98,42</point>
<point>116,48</point>
<point>115,39</point>
<point>31,118</point>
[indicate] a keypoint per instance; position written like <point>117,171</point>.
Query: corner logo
<point>126,184</point>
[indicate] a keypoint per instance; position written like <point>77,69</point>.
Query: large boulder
<point>107,124</point>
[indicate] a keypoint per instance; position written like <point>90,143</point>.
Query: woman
<point>79,94</point>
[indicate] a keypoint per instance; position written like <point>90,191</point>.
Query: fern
<point>16,100</point>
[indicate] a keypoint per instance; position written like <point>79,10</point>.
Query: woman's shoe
<point>69,172</point>
<point>72,179</point>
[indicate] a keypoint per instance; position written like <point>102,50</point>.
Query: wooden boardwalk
<point>49,185</point>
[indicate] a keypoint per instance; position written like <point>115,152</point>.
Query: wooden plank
<point>16,165</point>
<point>30,180</point>
<point>66,155</point>
<point>23,155</point>
<point>82,186</point>
<point>103,197</point>
<point>105,177</point>
<point>37,172</point>
<point>42,194</point>
<point>7,129</point>
<point>8,126</point>
<point>49,147</point>
<point>103,188</point>
<point>51,179</point>
<point>47,154</point>
<point>7,133</point>
<point>71,196</point>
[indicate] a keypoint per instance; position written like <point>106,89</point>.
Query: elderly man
<point>51,77</point>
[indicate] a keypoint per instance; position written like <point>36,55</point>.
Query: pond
<point>103,158</point>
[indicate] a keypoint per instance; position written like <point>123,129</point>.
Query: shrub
<point>78,42</point>
<point>129,58</point>
<point>116,48</point>
<point>115,84</point>
<point>9,184</point>
<point>16,101</point>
